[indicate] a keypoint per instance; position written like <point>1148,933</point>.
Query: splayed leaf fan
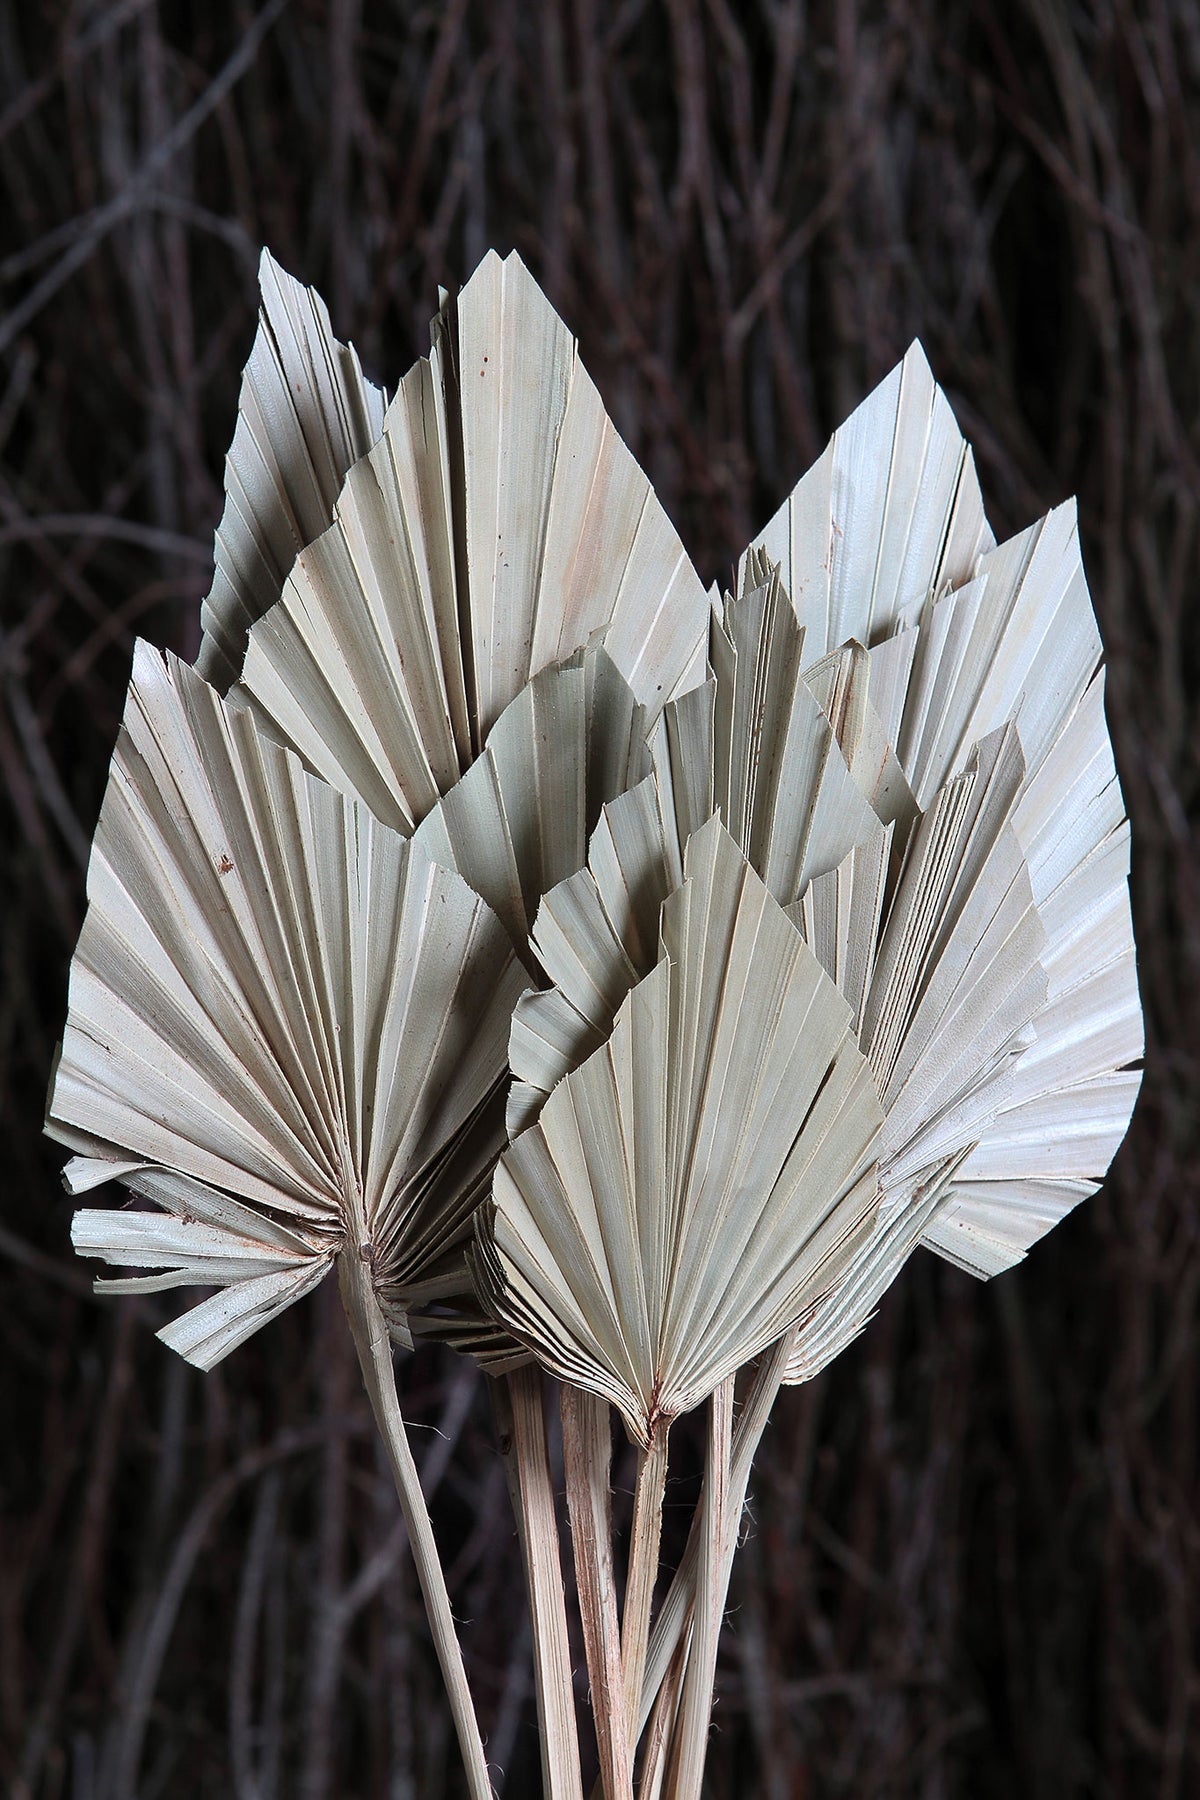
<point>287,1025</point>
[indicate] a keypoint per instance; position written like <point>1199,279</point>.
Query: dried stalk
<point>379,1378</point>
<point>538,1522</point>
<point>587,1451</point>
<point>643,1569</point>
<point>676,1611</point>
<point>712,1585</point>
<point>660,1733</point>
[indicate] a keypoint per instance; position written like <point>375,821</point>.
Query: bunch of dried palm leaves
<point>611,979</point>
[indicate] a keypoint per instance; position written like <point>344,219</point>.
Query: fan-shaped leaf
<point>752,745</point>
<point>888,514</point>
<point>701,1178</point>
<point>274,998</point>
<point>499,522</point>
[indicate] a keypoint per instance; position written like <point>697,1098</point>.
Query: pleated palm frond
<point>497,525</point>
<point>946,983</point>
<point>986,948</point>
<point>1020,641</point>
<point>698,1183</point>
<point>305,414</point>
<point>1074,1090</point>
<point>939,965</point>
<point>753,744</point>
<point>1000,634</point>
<point>286,1025</point>
<point>518,824</point>
<point>884,542</point>
<point>840,683</point>
<point>757,745</point>
<point>888,514</point>
<point>519,820</point>
<point>842,1314</point>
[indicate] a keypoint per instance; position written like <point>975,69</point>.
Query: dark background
<point>972,1565</point>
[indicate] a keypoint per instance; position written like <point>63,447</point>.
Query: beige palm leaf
<point>884,542</point>
<point>888,514</point>
<point>498,523</point>
<point>754,745</point>
<point>287,1026</point>
<point>940,967</point>
<point>696,1184</point>
<point>306,413</point>
<point>1011,982</point>
<point>518,822</point>
<point>1020,641</point>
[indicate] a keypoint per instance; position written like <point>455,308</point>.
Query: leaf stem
<point>675,1612</point>
<point>379,1378</point>
<point>534,1496</point>
<point>662,1725</point>
<point>643,1570</point>
<point>587,1454</point>
<point>712,1585</point>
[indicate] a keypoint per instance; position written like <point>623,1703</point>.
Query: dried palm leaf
<point>889,513</point>
<point>1017,642</point>
<point>844,1312</point>
<point>1073,1091</point>
<point>967,638</point>
<point>779,776</point>
<point>306,413</point>
<point>695,1184</point>
<point>840,683</point>
<point>944,982</point>
<point>497,524</point>
<point>752,744</point>
<point>956,979</point>
<point>518,821</point>
<point>1021,641</point>
<point>286,1025</point>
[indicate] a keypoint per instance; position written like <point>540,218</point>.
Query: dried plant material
<point>996,636</point>
<point>888,514</point>
<point>286,1024</point>
<point>712,1584</point>
<point>993,981</point>
<point>498,523</point>
<point>1073,1091</point>
<point>201,1238</point>
<point>595,936</point>
<point>519,820</point>
<point>778,776</point>
<point>305,414</point>
<point>374,1346</point>
<point>701,1179</point>
<point>957,977</point>
<point>840,683</point>
<point>753,745</point>
<point>844,1312</point>
<point>1021,640</point>
<point>1017,642</point>
<point>946,980</point>
<point>537,1524</point>
<point>839,913</point>
<point>828,975</point>
<point>587,1466</point>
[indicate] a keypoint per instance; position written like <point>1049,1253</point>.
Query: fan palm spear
<point>823,890</point>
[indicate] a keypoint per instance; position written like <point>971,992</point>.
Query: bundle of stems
<point>614,981</point>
